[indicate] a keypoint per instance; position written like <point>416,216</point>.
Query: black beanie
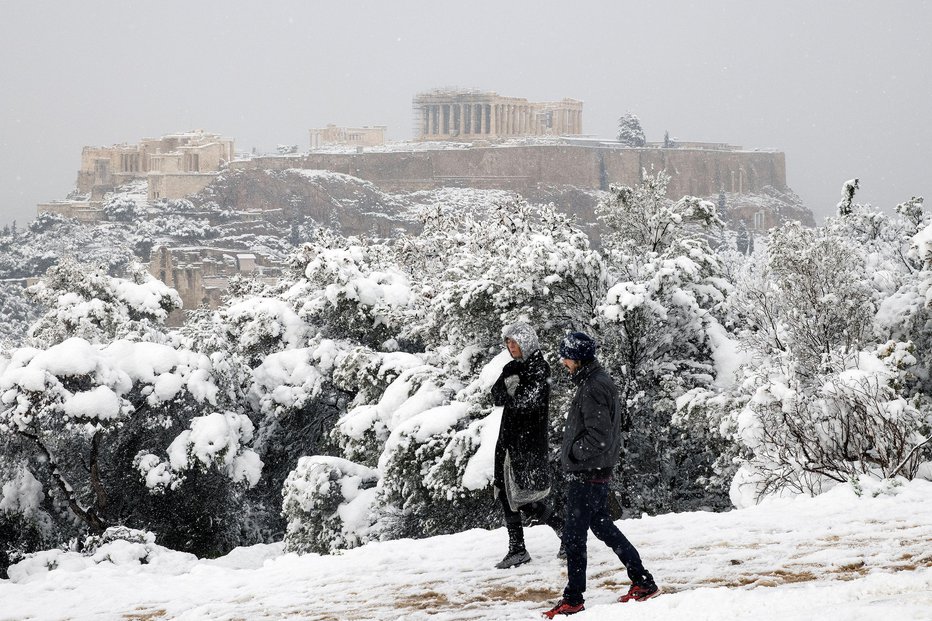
<point>578,346</point>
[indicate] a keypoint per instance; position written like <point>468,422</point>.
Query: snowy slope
<point>837,556</point>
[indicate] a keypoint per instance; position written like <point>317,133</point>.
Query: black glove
<point>512,368</point>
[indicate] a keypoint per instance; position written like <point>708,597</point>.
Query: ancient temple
<point>454,114</point>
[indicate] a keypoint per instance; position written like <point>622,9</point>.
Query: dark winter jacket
<point>592,438</point>
<point>523,432</point>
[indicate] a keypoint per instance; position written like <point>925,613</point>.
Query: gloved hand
<point>512,368</point>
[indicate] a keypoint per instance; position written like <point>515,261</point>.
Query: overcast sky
<point>842,87</point>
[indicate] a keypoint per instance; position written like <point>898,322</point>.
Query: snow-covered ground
<point>834,557</point>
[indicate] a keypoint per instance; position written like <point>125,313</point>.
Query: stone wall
<point>84,211</point>
<point>524,169</point>
<point>177,185</point>
<point>350,136</point>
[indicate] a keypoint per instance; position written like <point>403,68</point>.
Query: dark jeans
<point>586,509</point>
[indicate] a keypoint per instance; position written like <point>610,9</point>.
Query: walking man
<point>522,477</point>
<point>591,449</point>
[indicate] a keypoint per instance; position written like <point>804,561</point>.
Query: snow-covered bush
<point>46,221</point>
<point>117,545</point>
<point>362,432</point>
<point>429,446</point>
<point>857,422</point>
<point>293,393</point>
<point>821,276</point>
<point>178,227</point>
<point>50,239</point>
<point>87,303</point>
<point>328,503</point>
<point>367,373</point>
<point>278,368</point>
<point>837,386</point>
<point>480,271</point>
<point>217,440</point>
<point>349,288</point>
<point>122,208</point>
<point>413,503</point>
<point>259,326</point>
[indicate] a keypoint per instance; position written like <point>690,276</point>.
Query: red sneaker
<point>639,593</point>
<point>562,608</point>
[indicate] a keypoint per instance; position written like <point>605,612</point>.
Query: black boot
<point>517,553</point>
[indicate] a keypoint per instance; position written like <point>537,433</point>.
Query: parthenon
<point>447,114</point>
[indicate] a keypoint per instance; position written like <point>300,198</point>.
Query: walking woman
<point>522,476</point>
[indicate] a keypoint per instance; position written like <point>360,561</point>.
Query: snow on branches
<point>92,305</point>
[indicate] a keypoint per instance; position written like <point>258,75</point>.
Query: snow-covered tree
<point>18,313</point>
<point>350,288</point>
<point>84,417</point>
<point>87,303</point>
<point>629,131</point>
<point>480,272</point>
<point>50,238</point>
<point>119,430</point>
<point>662,336</point>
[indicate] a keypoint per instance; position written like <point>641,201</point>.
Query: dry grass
<point>514,594</point>
<point>427,600</point>
<point>145,615</point>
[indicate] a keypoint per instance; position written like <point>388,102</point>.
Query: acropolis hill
<point>463,139</point>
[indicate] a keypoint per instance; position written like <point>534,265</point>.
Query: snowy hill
<point>834,557</point>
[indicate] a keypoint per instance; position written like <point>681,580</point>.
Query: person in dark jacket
<point>522,477</point>
<point>591,450</point>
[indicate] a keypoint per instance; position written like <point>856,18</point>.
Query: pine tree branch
<point>89,517</point>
